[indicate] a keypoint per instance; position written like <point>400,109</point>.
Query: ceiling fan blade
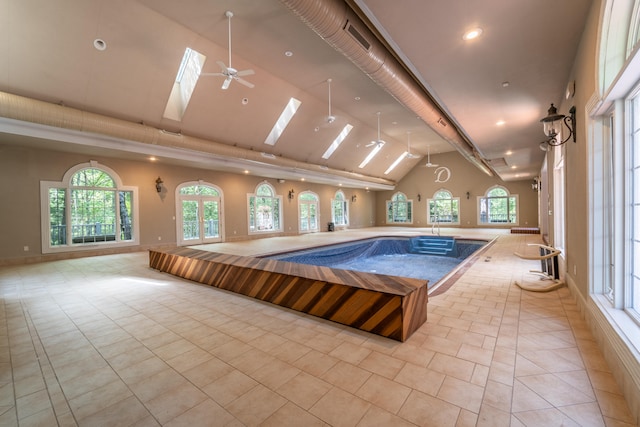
<point>211,74</point>
<point>245,73</point>
<point>244,82</point>
<point>221,65</point>
<point>226,83</point>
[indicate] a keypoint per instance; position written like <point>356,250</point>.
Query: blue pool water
<point>424,257</point>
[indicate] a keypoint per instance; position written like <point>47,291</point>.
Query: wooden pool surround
<point>390,306</point>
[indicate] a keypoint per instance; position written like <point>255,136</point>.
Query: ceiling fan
<point>379,142</point>
<point>429,164</point>
<point>228,72</point>
<point>330,118</point>
<point>409,154</point>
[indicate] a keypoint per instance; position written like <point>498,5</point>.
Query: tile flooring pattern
<point>107,341</point>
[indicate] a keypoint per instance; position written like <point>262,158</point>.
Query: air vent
<point>498,163</point>
<point>355,33</point>
<point>442,123</point>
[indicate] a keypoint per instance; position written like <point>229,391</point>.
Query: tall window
<point>443,208</point>
<point>613,143</point>
<point>308,212</point>
<point>399,209</point>
<point>498,207</point>
<point>88,207</point>
<point>199,213</point>
<point>633,290</point>
<point>265,210</point>
<point>340,210</point>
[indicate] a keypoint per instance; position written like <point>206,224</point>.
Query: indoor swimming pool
<point>423,257</point>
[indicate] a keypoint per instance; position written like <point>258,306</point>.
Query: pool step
<point>429,245</point>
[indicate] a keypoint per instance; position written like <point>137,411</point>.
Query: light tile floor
<point>106,341</point>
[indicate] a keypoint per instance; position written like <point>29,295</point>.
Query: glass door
<point>308,212</point>
<point>199,214</point>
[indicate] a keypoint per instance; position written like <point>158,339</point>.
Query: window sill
<point>79,247</point>
<point>620,330</point>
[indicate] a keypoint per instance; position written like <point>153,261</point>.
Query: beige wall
<point>576,226</point>
<point>464,178</point>
<point>22,169</point>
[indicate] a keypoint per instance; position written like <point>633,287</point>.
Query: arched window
<point>199,213</point>
<point>265,210</point>
<point>498,207</point>
<point>340,209</point>
<point>89,207</point>
<point>443,208</point>
<point>308,212</point>
<point>399,209</point>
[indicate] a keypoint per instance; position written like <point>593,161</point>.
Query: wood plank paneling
<point>390,306</point>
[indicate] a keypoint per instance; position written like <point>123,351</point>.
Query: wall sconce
<point>159,185</point>
<point>419,197</point>
<point>292,194</point>
<point>354,198</point>
<point>552,124</point>
<point>535,185</point>
<point>468,195</point>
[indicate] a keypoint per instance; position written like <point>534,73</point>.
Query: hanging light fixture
<point>552,124</point>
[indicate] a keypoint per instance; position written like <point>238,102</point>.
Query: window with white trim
<point>308,212</point>
<point>265,209</point>
<point>89,207</point>
<point>399,209</point>
<point>497,206</point>
<point>199,213</point>
<point>340,209</point>
<point>443,208</point>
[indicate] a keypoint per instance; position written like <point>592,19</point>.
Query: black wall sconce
<point>535,185</point>
<point>354,198</point>
<point>419,197</point>
<point>292,194</point>
<point>159,183</point>
<point>552,124</point>
<point>468,195</point>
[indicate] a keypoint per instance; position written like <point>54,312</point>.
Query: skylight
<point>396,163</point>
<point>186,79</point>
<point>282,122</point>
<point>371,155</point>
<point>336,142</point>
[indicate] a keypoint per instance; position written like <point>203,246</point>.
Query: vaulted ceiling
<point>434,91</point>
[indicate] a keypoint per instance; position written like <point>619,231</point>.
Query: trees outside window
<point>339,209</point>
<point>399,209</point>
<point>308,212</point>
<point>88,207</point>
<point>498,207</point>
<point>199,213</point>
<point>443,208</point>
<point>265,210</point>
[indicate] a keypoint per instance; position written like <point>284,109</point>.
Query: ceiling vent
<point>441,122</point>
<point>357,35</point>
<point>498,163</point>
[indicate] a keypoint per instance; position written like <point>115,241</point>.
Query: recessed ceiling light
<point>500,123</point>
<point>514,167</point>
<point>508,153</point>
<point>100,44</point>
<point>288,53</point>
<point>505,84</point>
<point>357,98</point>
<point>472,34</point>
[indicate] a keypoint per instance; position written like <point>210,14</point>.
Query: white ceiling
<point>48,54</point>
